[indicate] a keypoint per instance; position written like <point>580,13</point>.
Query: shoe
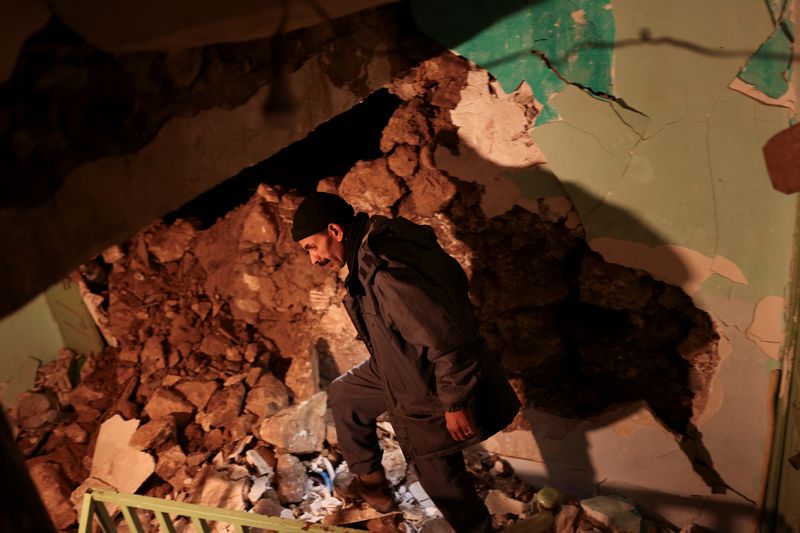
<point>372,488</point>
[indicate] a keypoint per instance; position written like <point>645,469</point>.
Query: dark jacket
<point>408,300</point>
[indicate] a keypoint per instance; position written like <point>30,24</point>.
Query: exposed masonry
<point>220,329</point>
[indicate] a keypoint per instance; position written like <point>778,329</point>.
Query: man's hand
<point>460,424</point>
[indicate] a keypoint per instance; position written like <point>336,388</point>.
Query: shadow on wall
<point>579,334</point>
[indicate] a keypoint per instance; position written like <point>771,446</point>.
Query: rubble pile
<point>222,341</point>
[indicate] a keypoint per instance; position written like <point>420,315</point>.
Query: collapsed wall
<point>220,330</point>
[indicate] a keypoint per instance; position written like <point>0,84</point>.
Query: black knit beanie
<point>316,211</point>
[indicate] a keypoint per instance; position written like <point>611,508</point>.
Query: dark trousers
<point>357,399</point>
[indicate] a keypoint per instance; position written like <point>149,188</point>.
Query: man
<point>428,365</point>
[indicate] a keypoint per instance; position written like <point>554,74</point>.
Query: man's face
<point>326,248</point>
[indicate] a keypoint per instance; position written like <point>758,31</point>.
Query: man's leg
<point>356,400</point>
<point>447,482</point>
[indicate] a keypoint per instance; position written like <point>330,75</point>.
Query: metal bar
<point>195,511</point>
<point>165,522</point>
<point>132,519</point>
<point>103,517</point>
<point>200,525</point>
<point>238,528</point>
<point>87,513</point>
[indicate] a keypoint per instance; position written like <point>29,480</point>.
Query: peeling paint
<point>728,269</point>
<point>543,42</point>
<point>767,74</point>
<point>677,265</point>
<point>767,327</point>
<point>494,138</point>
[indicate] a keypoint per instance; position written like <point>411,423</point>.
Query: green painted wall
<point>646,129</point>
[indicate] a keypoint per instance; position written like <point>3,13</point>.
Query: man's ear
<point>336,231</point>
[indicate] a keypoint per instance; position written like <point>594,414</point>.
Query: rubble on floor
<point>224,339</point>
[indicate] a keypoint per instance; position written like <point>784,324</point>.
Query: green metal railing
<point>165,511</point>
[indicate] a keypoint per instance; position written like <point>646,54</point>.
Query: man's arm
<point>425,315</point>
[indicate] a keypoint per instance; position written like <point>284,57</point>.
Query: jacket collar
<point>351,245</point>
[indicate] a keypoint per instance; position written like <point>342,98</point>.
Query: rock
<point>129,354</point>
<point>436,525</point>
<point>500,505</point>
<point>198,392</point>
<point>262,459</point>
<point>408,125</point>
<point>72,432</point>
<point>183,331</point>
<point>258,488</point>
<point>394,463</point>
<point>223,408</point>
<point>210,487</point>
<point>214,345</point>
<point>291,479</point>
<point>614,512</point>
<point>268,397</point>
<point>35,409</point>
<point>260,226</point>
<point>171,467</point>
<point>303,375</point>
<point>172,243</point>
<point>566,519</point>
<point>115,461</point>
<point>153,434</point>
<point>430,191</point>
<point>167,403</point>
<point>267,507</point>
<point>298,429</point>
<point>403,160</point>
<point>152,356</point>
<point>370,186</point>
<point>54,488</point>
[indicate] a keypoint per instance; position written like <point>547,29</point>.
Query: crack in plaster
<point>713,185</point>
<point>594,92</point>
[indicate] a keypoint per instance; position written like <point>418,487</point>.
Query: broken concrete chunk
<point>500,505</point>
<point>267,397</point>
<point>35,409</point>
<point>258,488</point>
<point>73,432</point>
<point>198,392</point>
<point>431,190</point>
<point>298,429</point>
<point>223,408</point>
<point>210,487</point>
<point>303,375</point>
<point>129,354</point>
<point>260,226</point>
<point>152,356</point>
<point>291,479</point>
<point>262,459</point>
<point>115,461</point>
<point>566,519</point>
<point>167,403</point>
<point>171,244</point>
<point>266,506</point>
<point>54,488</point>
<point>214,345</point>
<point>394,463</point>
<point>153,434</point>
<point>614,512</point>
<point>171,467</point>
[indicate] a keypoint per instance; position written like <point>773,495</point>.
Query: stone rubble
<point>223,341</point>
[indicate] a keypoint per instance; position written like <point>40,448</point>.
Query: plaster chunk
<point>500,505</point>
<point>115,461</point>
<point>613,512</point>
<point>210,487</point>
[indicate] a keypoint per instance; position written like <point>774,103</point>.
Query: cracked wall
<point>667,175</point>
